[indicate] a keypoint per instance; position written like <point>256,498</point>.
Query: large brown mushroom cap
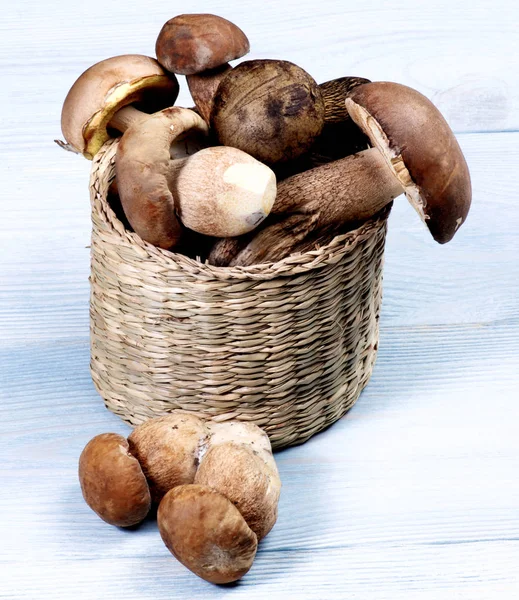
<point>112,481</point>
<point>271,109</point>
<point>106,87</point>
<point>193,43</point>
<point>206,533</point>
<point>421,149</point>
<point>168,449</point>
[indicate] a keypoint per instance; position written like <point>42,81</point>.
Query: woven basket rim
<point>293,264</point>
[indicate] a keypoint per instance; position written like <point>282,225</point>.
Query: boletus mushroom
<point>200,46</point>
<point>168,450</point>
<point>112,95</point>
<point>206,533</point>
<point>217,191</point>
<point>271,109</point>
<point>239,464</point>
<point>192,43</point>
<point>112,481</point>
<point>415,152</point>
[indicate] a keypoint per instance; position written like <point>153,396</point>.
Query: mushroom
<point>168,450</point>
<point>217,191</point>
<point>200,47</point>
<point>420,149</point>
<point>193,43</point>
<point>239,464</point>
<point>206,533</point>
<point>271,109</point>
<point>102,99</point>
<point>112,481</point>
<point>415,152</point>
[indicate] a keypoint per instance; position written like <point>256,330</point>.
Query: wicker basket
<point>288,345</point>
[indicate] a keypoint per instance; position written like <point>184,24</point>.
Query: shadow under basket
<point>288,345</point>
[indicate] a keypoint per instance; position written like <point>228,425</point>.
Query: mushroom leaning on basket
<point>200,47</point>
<point>103,98</point>
<point>415,152</point>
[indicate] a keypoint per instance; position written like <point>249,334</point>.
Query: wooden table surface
<point>414,494</point>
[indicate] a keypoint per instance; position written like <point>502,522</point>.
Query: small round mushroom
<point>103,98</point>
<point>193,43</point>
<point>415,153</point>
<point>218,191</point>
<point>271,109</point>
<point>168,450</point>
<point>206,533</point>
<point>112,481</point>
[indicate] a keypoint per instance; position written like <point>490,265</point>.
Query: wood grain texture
<point>414,494</point>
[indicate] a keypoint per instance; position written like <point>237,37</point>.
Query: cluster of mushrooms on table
<point>216,486</point>
<point>267,163</point>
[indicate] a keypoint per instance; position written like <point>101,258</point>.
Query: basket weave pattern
<point>288,345</point>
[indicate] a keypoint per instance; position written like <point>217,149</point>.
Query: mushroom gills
<point>371,127</point>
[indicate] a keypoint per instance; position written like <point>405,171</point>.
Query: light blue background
<point>414,494</point>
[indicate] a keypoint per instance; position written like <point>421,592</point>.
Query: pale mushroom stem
<point>125,117</point>
<point>322,199</point>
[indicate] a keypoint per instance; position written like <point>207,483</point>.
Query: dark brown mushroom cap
<point>271,109</point>
<point>206,533</point>
<point>106,87</point>
<point>112,481</point>
<point>168,448</point>
<point>401,122</point>
<point>192,43</point>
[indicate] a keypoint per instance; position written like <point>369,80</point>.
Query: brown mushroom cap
<point>193,43</point>
<point>106,87</point>
<point>422,150</point>
<point>206,533</point>
<point>238,471</point>
<point>168,449</point>
<point>271,109</point>
<point>112,481</point>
